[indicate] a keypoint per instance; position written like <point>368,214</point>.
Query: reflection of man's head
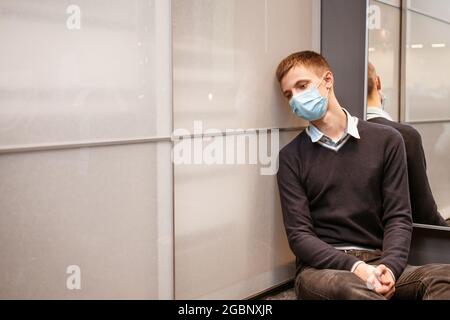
<point>373,81</point>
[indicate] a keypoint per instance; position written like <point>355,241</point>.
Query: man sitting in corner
<point>423,206</point>
<point>344,194</point>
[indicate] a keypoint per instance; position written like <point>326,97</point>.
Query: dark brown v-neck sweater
<point>356,196</point>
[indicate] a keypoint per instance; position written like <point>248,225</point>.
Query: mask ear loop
<point>328,89</point>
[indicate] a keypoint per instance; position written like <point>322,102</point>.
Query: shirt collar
<point>377,112</point>
<point>352,128</point>
<point>314,133</point>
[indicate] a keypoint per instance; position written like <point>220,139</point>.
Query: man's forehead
<point>296,74</point>
<point>302,71</point>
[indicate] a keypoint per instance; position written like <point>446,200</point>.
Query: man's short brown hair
<point>371,75</point>
<point>309,59</point>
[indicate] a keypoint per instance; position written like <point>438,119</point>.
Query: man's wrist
<point>392,274</point>
<point>355,265</point>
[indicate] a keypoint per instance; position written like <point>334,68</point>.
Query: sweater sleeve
<point>304,243</point>
<point>396,220</point>
<point>423,206</point>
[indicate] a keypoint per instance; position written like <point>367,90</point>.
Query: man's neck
<point>374,101</point>
<point>334,123</point>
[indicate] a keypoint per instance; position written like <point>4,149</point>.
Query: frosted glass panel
<point>225,53</point>
<point>427,60</point>
<point>230,241</point>
<point>436,141</point>
<point>107,210</point>
<point>384,52</point>
<point>97,69</point>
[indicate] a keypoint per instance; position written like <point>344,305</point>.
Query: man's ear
<point>378,82</point>
<point>329,78</point>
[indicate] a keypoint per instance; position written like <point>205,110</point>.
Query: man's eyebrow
<point>299,82</point>
<point>302,81</point>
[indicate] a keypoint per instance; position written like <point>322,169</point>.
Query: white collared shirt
<point>318,136</point>
<point>377,112</point>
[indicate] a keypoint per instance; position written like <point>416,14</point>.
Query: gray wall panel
<point>344,44</point>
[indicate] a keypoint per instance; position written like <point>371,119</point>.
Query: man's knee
<point>327,284</point>
<point>430,281</point>
<point>436,278</point>
<point>438,270</point>
<point>431,273</point>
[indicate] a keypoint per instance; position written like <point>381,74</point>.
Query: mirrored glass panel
<point>427,56</point>
<point>384,52</point>
<point>435,8</point>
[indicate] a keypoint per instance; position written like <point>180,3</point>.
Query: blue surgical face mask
<point>309,105</point>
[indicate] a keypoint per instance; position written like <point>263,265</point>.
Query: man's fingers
<point>385,278</point>
<point>381,281</point>
<point>384,289</point>
<point>387,288</point>
<point>383,275</point>
<point>381,267</point>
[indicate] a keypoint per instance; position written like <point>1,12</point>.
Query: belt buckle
<point>354,252</point>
